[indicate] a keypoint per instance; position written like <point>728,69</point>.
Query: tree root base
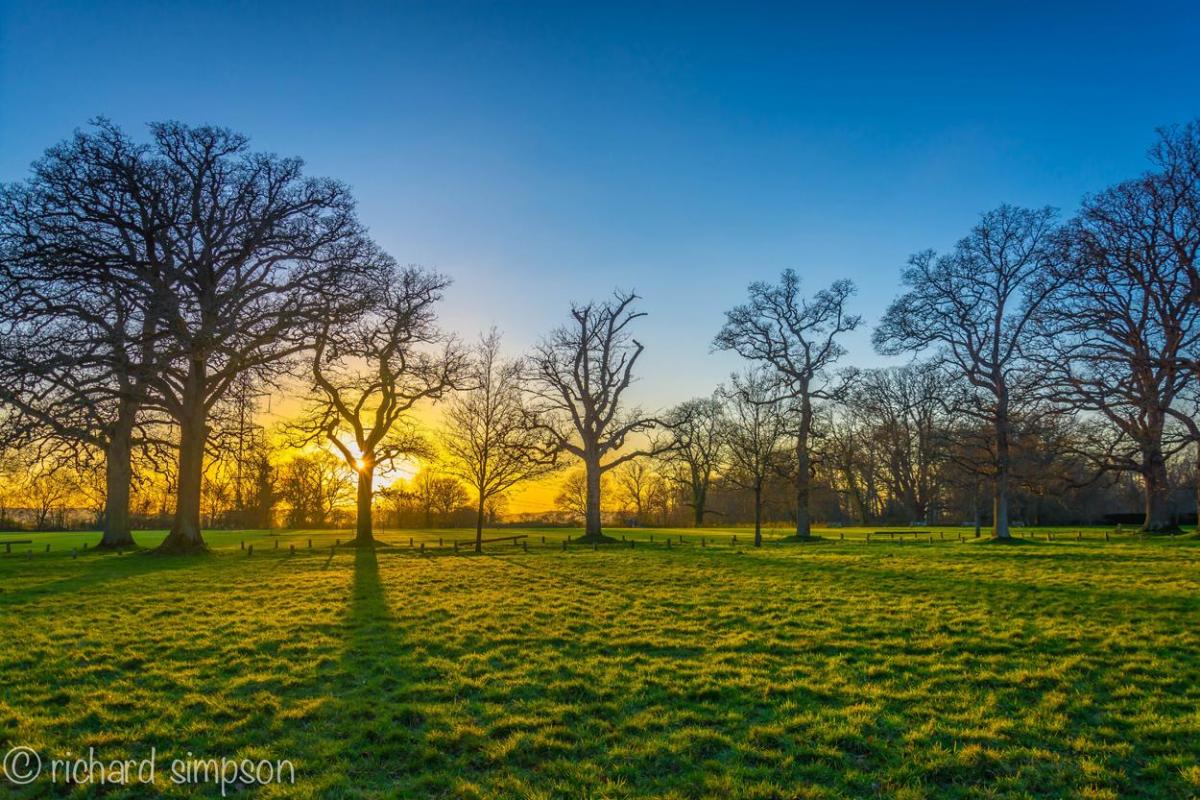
<point>177,546</point>
<point>796,538</point>
<point>598,538</point>
<point>108,546</point>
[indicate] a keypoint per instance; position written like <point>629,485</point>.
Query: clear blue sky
<point>543,153</point>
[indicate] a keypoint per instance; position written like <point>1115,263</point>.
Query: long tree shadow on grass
<point>381,705</point>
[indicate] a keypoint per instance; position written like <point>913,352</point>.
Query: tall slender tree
<point>697,449</point>
<point>487,434</point>
<point>754,430</point>
<point>798,338</point>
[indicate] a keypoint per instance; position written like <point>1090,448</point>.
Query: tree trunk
<point>363,532</point>
<point>803,483</point>
<point>592,530</point>
<point>118,475</point>
<point>479,526</point>
<point>1155,492</point>
<point>1197,486</point>
<point>758,516</point>
<point>975,509</point>
<point>185,536</point>
<point>1000,488</point>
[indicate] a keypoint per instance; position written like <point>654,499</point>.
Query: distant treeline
<point>156,295</point>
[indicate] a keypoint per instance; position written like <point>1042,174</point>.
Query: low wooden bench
<point>9,543</point>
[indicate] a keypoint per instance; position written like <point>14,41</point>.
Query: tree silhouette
<point>754,429</point>
<point>798,339</point>
<point>977,305</point>
<point>370,371</point>
<point>1120,331</point>
<point>487,432</point>
<point>697,449</point>
<point>78,340</point>
<point>579,376</point>
<point>253,255</point>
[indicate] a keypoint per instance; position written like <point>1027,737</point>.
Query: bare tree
<point>1172,199</point>
<point>904,409</point>
<point>486,431</point>
<point>850,454</point>
<point>437,494</point>
<point>572,495</point>
<point>314,486</point>
<point>77,339</point>
<point>369,373</point>
<point>1121,328</point>
<point>976,305</point>
<point>635,481</point>
<point>697,449</point>
<point>754,430</point>
<point>580,374</point>
<point>798,339</point>
<point>251,255</point>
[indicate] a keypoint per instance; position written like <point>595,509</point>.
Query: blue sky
<point>540,153</point>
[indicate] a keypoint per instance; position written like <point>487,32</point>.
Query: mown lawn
<point>839,669</point>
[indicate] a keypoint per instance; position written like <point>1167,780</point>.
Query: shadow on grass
<point>95,570</point>
<point>379,712</point>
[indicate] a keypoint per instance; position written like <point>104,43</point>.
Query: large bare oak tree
<point>79,339</point>
<point>579,376</point>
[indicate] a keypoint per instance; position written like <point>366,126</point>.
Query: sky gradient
<point>544,153</point>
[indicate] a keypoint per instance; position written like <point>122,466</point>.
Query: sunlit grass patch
<point>941,669</point>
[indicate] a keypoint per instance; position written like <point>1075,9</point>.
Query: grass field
<point>841,669</point>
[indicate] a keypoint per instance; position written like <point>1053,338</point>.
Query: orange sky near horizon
<point>532,497</point>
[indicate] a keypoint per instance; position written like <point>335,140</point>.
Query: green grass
<point>833,669</point>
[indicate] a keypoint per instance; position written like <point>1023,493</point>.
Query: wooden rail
<point>513,539</point>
